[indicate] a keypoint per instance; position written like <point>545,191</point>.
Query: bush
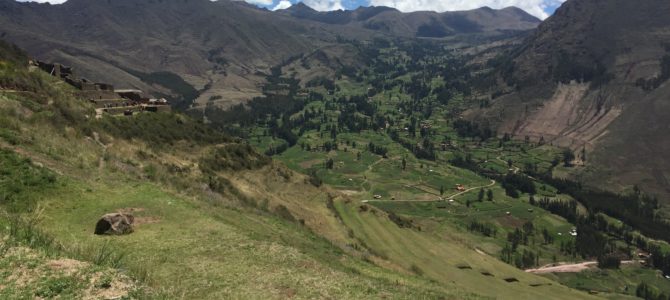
<point>159,129</point>
<point>284,213</point>
<point>233,157</point>
<point>401,221</point>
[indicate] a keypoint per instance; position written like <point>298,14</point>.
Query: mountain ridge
<point>579,80</point>
<point>443,24</point>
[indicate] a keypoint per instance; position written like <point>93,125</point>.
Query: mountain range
<point>222,48</point>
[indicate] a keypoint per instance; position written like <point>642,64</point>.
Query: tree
<point>510,163</point>
<point>548,239</point>
<point>609,262</point>
<point>441,190</point>
<point>489,195</point>
<point>330,164</point>
<point>568,157</point>
<point>404,163</point>
<point>480,197</point>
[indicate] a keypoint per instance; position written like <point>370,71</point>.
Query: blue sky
<point>539,8</point>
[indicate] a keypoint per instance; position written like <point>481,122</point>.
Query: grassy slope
<point>208,252</point>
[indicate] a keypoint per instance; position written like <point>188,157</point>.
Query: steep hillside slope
<point>594,77</point>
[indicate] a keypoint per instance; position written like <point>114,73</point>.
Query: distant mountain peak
<point>300,7</point>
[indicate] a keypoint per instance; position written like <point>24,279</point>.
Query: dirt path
<point>514,168</point>
<point>493,182</point>
<point>571,268</point>
<point>101,160</point>
<point>370,167</point>
<point>99,112</point>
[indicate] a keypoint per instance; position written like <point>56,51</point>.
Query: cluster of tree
<point>470,129</point>
<point>425,150</point>
<point>654,83</point>
<point>465,162</point>
<point>377,149</point>
<point>609,261</point>
<point>402,222</point>
<point>635,209</point>
<point>283,131</point>
<point>276,150</point>
<point>257,110</point>
<point>565,209</point>
<point>520,236</point>
<point>660,259</point>
<point>486,229</point>
<point>515,183</point>
<point>568,68</point>
<point>321,81</point>
<point>525,259</point>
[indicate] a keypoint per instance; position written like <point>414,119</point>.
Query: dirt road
<point>571,268</point>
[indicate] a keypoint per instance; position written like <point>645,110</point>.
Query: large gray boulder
<point>115,224</point>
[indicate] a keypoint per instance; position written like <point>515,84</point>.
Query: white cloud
<point>325,5</point>
<point>283,4</point>
<point>260,2</point>
<point>534,7</point>
<point>44,1</point>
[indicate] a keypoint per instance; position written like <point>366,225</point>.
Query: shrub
<point>233,157</point>
<point>159,129</point>
<point>284,213</point>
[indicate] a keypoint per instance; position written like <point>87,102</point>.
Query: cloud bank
<point>538,8</point>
